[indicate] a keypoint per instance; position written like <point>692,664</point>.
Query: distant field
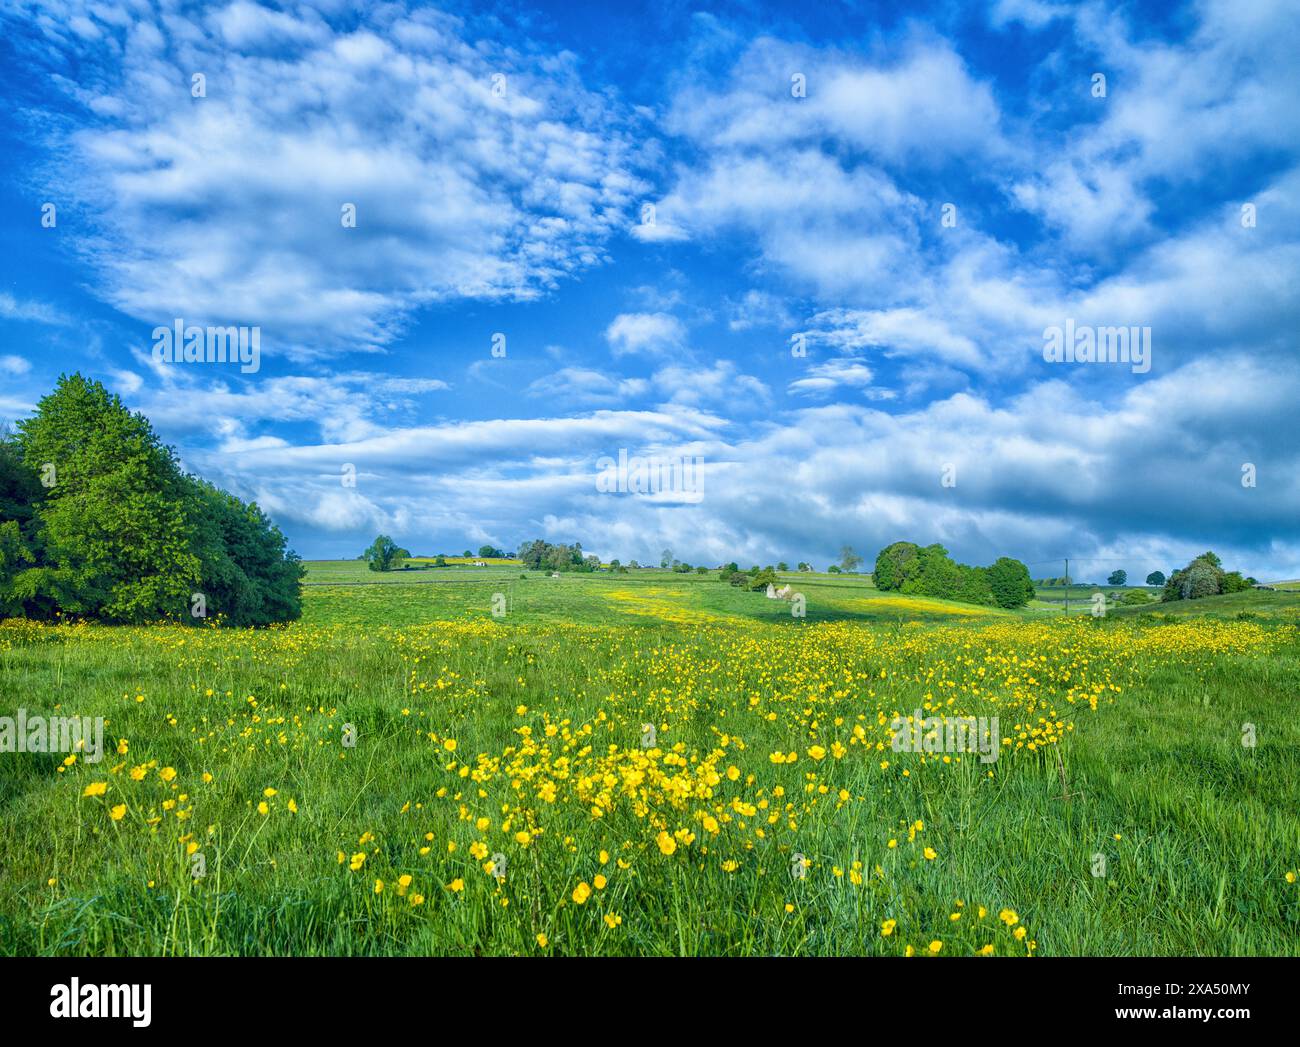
<point>657,763</point>
<point>342,572</point>
<point>1278,606</point>
<point>342,591</point>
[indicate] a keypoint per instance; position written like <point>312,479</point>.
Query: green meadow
<point>657,763</point>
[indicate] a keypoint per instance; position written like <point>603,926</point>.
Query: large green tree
<point>97,520</point>
<point>907,567</point>
<point>114,528</point>
<point>385,554</point>
<point>1009,579</point>
<point>1204,576</point>
<point>20,492</point>
<point>250,577</point>
<point>892,562</point>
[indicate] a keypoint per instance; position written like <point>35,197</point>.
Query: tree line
<point>98,521</point>
<point>904,567</point>
<point>929,571</point>
<point>1204,576</point>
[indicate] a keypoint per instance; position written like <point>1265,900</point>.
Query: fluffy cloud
<point>584,386</point>
<point>1151,479</point>
<point>487,173</point>
<point>921,106</point>
<point>475,171</point>
<point>1171,115</point>
<point>650,334</point>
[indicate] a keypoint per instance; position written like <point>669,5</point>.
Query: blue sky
<point>658,206</point>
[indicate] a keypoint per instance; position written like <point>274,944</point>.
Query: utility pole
<point>1068,582</point>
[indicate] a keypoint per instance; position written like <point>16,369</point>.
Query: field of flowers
<point>688,787</point>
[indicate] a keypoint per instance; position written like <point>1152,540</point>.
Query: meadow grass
<point>666,766</point>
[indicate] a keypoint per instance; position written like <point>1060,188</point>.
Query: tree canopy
<point>1203,576</point>
<point>908,568</point>
<point>385,554</point>
<point>543,556</point>
<point>99,521</point>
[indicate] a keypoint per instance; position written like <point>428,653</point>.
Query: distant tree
<point>932,572</point>
<point>1200,578</point>
<point>439,561</point>
<point>803,567</point>
<point>701,569</point>
<point>1117,578</point>
<point>849,560</point>
<point>543,556</point>
<point>763,579</point>
<point>634,565</point>
<point>614,565</point>
<point>1233,582</point>
<point>893,565</point>
<point>666,558</point>
<point>783,566</point>
<point>834,569</point>
<point>1156,578</point>
<point>385,555</point>
<point>1010,583</point>
<point>489,552</point>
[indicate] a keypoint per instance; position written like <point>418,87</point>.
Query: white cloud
<point>758,309</point>
<point>227,208</point>
<point>918,106</point>
<point>722,383</point>
<point>583,386</point>
<point>649,334</point>
<point>1171,114</point>
<point>342,407</point>
<point>830,377</point>
<point>1152,475</point>
<point>12,308</point>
